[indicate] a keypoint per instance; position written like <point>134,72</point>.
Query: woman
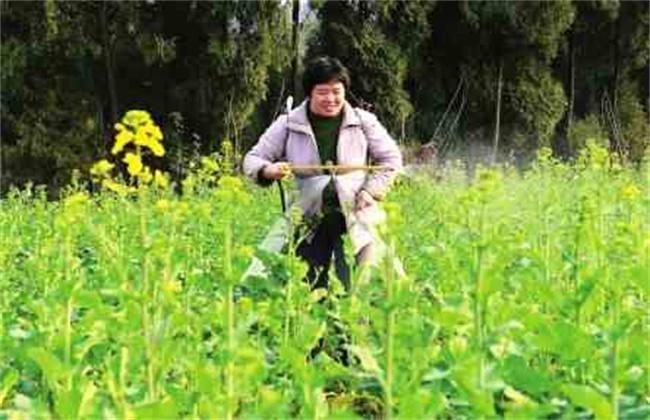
<point>326,129</point>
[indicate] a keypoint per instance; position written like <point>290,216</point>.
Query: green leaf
<point>52,367</point>
<point>519,374</point>
<point>8,382</point>
<point>566,340</point>
<point>534,411</point>
<point>466,375</point>
<point>165,409</point>
<point>67,403</point>
<point>621,328</point>
<point>312,330</point>
<point>589,398</point>
<point>87,299</point>
<point>421,403</point>
<point>452,317</point>
<point>368,361</point>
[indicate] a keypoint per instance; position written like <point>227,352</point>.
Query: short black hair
<point>324,69</point>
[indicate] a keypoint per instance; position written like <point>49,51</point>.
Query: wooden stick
<point>337,168</point>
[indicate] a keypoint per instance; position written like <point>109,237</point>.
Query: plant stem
<point>478,297</point>
<point>289,291</point>
<point>68,308</point>
<point>230,322</point>
<point>478,313</point>
<point>146,296</point>
<point>389,273</point>
<point>614,362</point>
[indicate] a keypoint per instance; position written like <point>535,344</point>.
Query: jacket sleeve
<point>383,151</point>
<point>269,149</point>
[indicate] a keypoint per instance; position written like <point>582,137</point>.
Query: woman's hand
<point>277,170</point>
<point>363,200</point>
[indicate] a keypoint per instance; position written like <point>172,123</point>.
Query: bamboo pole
<point>337,168</point>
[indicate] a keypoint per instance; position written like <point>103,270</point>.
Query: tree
<point>49,122</point>
<point>70,69</point>
<point>376,41</point>
<point>604,67</point>
<point>519,40</point>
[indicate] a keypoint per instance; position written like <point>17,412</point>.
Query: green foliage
<point>476,41</point>
<point>14,62</point>
<point>605,63</point>
<point>635,133</point>
<point>253,41</point>
<point>544,25</point>
<point>538,101</point>
<point>136,307</point>
<point>155,49</point>
<point>70,68</point>
<point>378,42</point>
<point>585,129</point>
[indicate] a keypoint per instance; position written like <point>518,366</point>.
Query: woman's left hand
<point>363,200</point>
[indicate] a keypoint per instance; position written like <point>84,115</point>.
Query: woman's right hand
<point>277,170</point>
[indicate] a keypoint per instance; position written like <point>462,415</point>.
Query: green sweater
<point>326,131</point>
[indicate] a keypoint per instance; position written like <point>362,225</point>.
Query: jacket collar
<point>298,120</point>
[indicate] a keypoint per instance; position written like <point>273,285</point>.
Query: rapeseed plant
<point>136,135</point>
<point>134,162</point>
<point>101,168</point>
<point>137,127</point>
<point>157,325</point>
<point>594,156</point>
<point>630,192</point>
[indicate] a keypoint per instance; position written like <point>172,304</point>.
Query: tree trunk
<point>2,158</point>
<point>617,64</point>
<point>572,86</point>
<point>563,144</point>
<point>107,47</point>
<point>295,62</point>
<point>619,141</point>
<point>497,124</point>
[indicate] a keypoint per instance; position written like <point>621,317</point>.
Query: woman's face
<point>327,99</point>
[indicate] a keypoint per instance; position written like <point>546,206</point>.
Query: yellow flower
<point>163,205</point>
<point>138,127</point>
<point>171,286</point>
<point>246,304</point>
<point>121,139</point>
<point>246,251</point>
<point>630,192</point>
<point>141,138</point>
<point>209,164</point>
<point>230,182</point>
<point>458,345</point>
<point>134,162</point>
<point>157,133</point>
<point>101,168</point>
<point>117,187</point>
<point>145,175</point>
<point>76,199</point>
<point>269,396</point>
<point>161,179</point>
<point>156,148</point>
<point>153,131</point>
<point>136,118</point>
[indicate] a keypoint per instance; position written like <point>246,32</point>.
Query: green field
<point>525,296</point>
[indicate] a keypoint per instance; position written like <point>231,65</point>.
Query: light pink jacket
<point>361,138</point>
